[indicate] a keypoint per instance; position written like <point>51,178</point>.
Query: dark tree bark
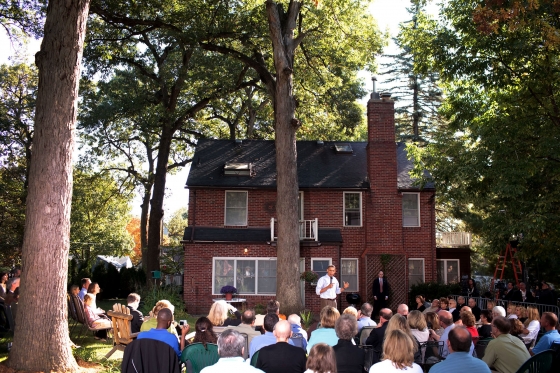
<point>41,341</point>
<point>284,45</point>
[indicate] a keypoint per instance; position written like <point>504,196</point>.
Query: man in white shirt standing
<point>328,288</point>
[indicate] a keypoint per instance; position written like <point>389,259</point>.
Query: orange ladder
<point>510,253</point>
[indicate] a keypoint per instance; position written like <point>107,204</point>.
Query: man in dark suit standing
<point>282,357</point>
<point>380,292</point>
<point>377,335</point>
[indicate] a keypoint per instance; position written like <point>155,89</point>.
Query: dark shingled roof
<point>319,165</point>
<point>213,234</point>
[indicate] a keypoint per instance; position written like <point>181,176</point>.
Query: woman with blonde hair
<point>351,311</point>
<point>532,325</point>
<point>521,313</point>
<point>398,354</point>
<point>418,326</point>
<point>321,359</point>
<point>432,319</point>
<point>218,314</point>
<point>150,322</point>
<point>325,334</point>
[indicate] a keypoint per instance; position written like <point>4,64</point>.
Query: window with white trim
<point>319,265</point>
<point>411,209</point>
<point>349,273</point>
<point>415,271</point>
<point>248,275</point>
<point>235,208</point>
<point>352,209</point>
<point>448,271</point>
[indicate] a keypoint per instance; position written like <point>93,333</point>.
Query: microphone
<point>331,280</point>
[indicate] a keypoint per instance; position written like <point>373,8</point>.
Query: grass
<point>91,350</point>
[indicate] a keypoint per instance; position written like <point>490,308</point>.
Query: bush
<point>171,293</point>
<point>132,281</point>
<point>431,290</point>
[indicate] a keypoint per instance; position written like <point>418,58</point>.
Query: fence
<point>482,303</point>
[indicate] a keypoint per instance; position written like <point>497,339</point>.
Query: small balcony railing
<point>308,229</point>
<point>454,239</point>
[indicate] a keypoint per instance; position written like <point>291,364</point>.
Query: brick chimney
<point>384,230</point>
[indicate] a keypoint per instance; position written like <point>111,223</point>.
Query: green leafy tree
<point>417,95</point>
<point>496,158</point>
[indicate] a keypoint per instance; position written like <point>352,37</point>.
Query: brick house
<point>359,210</point>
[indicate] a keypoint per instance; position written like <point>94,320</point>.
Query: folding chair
<point>369,353</point>
<point>200,356</point>
<point>539,363</point>
<point>82,317</point>
<point>364,334</point>
<point>254,358</point>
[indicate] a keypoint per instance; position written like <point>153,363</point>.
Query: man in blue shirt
<point>83,291</point>
<point>364,317</point>
<point>460,360</point>
<point>268,337</point>
<point>160,333</point>
<point>548,321</point>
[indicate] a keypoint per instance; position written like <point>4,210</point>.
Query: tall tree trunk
<point>284,45</point>
<point>158,194</point>
<point>41,341</point>
<point>144,213</point>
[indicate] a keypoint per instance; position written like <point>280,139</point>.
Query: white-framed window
<point>300,206</point>
<point>248,275</point>
<point>411,209</point>
<point>448,271</point>
<point>352,209</point>
<point>415,271</point>
<point>235,208</point>
<point>319,265</point>
<point>349,273</point>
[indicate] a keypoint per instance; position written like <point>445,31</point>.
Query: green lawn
<point>90,349</point>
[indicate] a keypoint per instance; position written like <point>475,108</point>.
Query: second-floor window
<point>352,209</point>
<point>410,210</point>
<point>236,208</point>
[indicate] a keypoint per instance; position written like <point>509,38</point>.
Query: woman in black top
<point>420,303</point>
<point>485,331</point>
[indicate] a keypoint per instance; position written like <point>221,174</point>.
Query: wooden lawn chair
<point>121,319</point>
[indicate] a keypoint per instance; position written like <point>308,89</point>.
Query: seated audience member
<point>548,321</point>
<point>231,346</point>
<point>85,285</point>
<point>94,320</point>
<point>150,321</point>
<point>399,322</point>
<point>468,322</point>
<point>321,359</point>
<point>160,333</point>
<point>295,321</point>
<point>434,307</point>
<point>12,295</point>
<point>377,335</point>
<point>398,354</point>
<point>531,326</point>
<point>475,309</point>
<point>505,353</point>
<point>498,311</point>
<point>281,357</point>
<point>459,359</point>
<point>444,303</point>
<point>326,334</point>
<point>133,300</point>
<point>432,321</point>
<point>93,290</point>
<point>420,303</point>
<point>516,328</point>
<point>511,311</point>
<point>218,314</point>
<point>349,357</point>
<point>204,332</point>
<point>452,305</point>
<point>521,313</point>
<point>351,310</point>
<point>460,303</point>
<point>268,338</point>
<point>490,304</point>
<point>402,309</point>
<point>364,316</point>
<point>273,306</point>
<point>3,282</point>
<point>247,325</point>
<point>446,322</point>
<point>74,290</point>
<point>485,329</point>
<point>418,327</point>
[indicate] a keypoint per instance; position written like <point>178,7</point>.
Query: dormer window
<point>343,148</point>
<point>238,169</point>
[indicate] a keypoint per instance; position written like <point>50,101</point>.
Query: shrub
<point>171,293</point>
<point>431,290</point>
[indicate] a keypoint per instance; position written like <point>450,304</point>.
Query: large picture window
<point>448,271</point>
<point>236,208</point>
<point>352,209</point>
<point>248,275</point>
<point>410,210</point>
<point>349,273</point>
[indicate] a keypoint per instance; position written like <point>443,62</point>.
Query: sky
<point>388,13</point>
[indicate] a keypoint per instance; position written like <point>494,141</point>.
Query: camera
<point>182,322</point>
